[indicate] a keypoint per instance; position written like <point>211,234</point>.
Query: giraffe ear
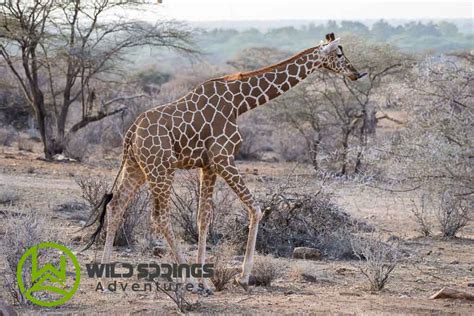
<point>329,47</point>
<point>330,37</point>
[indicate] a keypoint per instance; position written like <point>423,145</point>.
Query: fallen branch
<point>453,294</point>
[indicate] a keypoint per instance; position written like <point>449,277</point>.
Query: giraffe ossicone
<point>200,130</point>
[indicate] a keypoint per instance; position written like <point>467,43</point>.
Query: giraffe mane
<point>248,74</point>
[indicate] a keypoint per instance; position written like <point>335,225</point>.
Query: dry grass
<point>223,270</point>
<point>22,231</point>
<point>135,224</point>
<point>422,216</point>
<point>377,259</point>
<point>26,145</point>
<point>9,197</point>
<point>266,270</point>
<point>454,213</point>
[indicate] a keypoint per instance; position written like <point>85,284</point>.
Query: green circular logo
<point>48,278</point>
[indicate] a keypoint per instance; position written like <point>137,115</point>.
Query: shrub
<point>185,201</point>
<point>453,213</point>
<point>9,197</point>
<point>433,150</point>
<point>223,272</point>
<point>247,149</point>
<point>136,216</point>
<point>377,259</point>
<point>7,136</point>
<point>93,188</point>
<point>422,217</point>
<point>22,231</point>
<point>293,217</point>
<point>25,144</point>
<point>265,271</point>
<point>78,147</point>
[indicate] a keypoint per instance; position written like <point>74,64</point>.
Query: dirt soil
<point>428,264</point>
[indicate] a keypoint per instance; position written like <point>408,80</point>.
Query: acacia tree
<point>338,111</point>
<point>58,50</point>
<point>435,149</point>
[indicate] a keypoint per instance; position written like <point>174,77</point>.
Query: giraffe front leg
<point>227,170</point>
<point>207,182</point>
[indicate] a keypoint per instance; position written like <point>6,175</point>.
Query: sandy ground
<point>428,264</point>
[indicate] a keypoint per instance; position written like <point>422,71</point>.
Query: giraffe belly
<point>197,159</point>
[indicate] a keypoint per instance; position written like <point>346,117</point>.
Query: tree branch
<point>89,119</point>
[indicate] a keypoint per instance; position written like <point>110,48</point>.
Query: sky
<point>225,10</point>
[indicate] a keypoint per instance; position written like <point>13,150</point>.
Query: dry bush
<point>422,216</point>
<point>223,270</point>
<point>23,231</point>
<point>289,146</point>
<point>185,201</point>
<point>136,220</point>
<point>265,270</point>
<point>135,223</point>
<point>179,297</point>
<point>9,197</point>
<point>434,149</point>
<point>377,259</point>
<point>93,189</point>
<point>7,136</point>
<point>295,217</point>
<point>78,147</point>
<point>247,149</point>
<point>26,144</point>
<point>453,214</point>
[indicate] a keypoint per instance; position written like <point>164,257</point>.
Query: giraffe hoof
<point>203,291</point>
<point>243,284</point>
<point>207,292</point>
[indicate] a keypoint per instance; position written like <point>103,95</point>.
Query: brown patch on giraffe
<point>281,78</point>
<point>245,88</point>
<point>263,84</point>
<point>293,81</point>
<point>292,69</point>
<point>273,92</point>
<point>262,99</point>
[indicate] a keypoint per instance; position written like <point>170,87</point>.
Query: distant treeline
<point>437,37</point>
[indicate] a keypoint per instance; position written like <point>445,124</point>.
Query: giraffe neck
<point>258,87</point>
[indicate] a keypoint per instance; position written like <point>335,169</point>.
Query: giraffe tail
<point>100,210</point>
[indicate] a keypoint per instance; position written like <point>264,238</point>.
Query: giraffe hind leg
<point>130,180</point>
<point>160,187</point>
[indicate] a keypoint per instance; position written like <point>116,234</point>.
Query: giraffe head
<point>333,59</point>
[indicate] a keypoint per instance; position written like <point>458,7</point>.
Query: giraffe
<point>199,130</point>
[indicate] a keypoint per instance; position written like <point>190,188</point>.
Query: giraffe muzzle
<point>357,76</point>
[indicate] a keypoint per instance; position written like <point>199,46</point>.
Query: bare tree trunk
<point>345,148</point>
<point>362,140</point>
<point>45,126</point>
